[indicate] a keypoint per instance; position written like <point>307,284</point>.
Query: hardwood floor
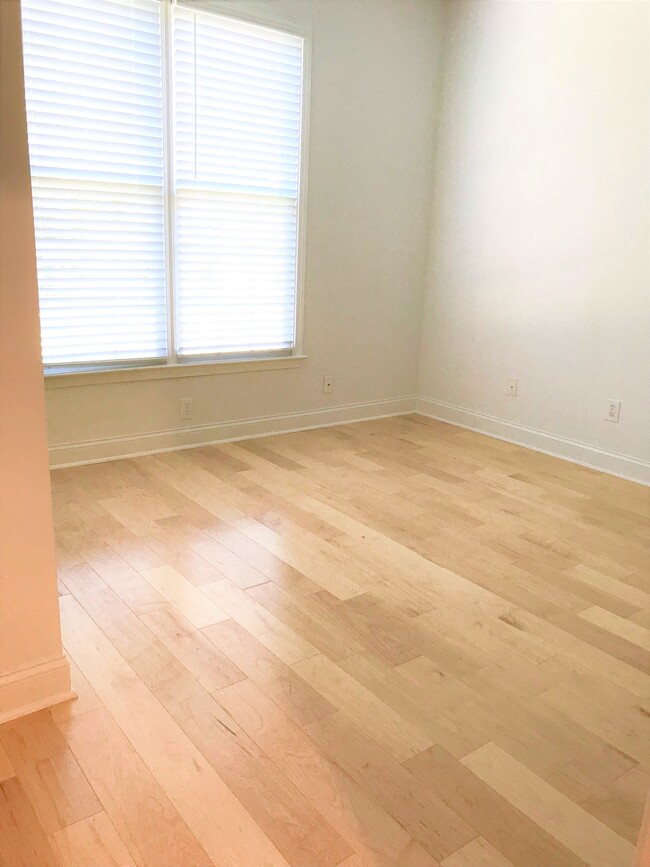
<point>389,644</point>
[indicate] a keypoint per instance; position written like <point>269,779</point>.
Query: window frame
<point>61,376</point>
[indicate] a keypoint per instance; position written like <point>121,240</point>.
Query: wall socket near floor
<point>328,384</point>
<point>187,407</point>
<point>613,410</point>
<point>511,389</point>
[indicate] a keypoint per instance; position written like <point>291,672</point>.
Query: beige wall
<point>373,88</point>
<point>539,266</point>
<point>33,672</point>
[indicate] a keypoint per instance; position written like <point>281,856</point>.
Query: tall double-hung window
<point>165,146</point>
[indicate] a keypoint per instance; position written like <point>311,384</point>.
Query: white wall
<point>33,671</point>
<point>539,263</point>
<point>373,89</point>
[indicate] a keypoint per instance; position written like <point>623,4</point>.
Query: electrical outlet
<point>613,410</point>
<point>187,407</point>
<point>512,387</point>
<point>328,385</point>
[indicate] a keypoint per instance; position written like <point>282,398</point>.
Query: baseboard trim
<point>100,450</point>
<point>113,448</point>
<point>34,688</point>
<point>615,464</point>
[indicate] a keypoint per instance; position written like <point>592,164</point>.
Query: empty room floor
<point>387,643</point>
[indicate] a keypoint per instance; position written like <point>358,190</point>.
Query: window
<point>165,148</point>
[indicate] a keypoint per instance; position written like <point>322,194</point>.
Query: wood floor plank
<point>50,775</point>
<point>6,768</point>
<point>301,550</point>
<point>184,596</point>
<point>352,861</point>
<point>584,653</point>
<point>440,722</point>
<point>290,822</point>
<point>378,627</point>
<point>173,550</point>
<point>489,636</point>
<point>222,560</point>
<point>137,509</point>
<point>310,617</point>
<point>614,645</point>
<point>225,830</point>
<point>142,814</point>
<point>422,813</point>
<point>501,823</point>
<point>614,587</point>
<point>297,698</point>
<point>641,617</point>
<point>642,853</point>
<point>280,639</point>
<point>92,842</point>
<point>269,564</point>
<point>192,649</point>
<point>631,632</point>
<point>557,814</point>
<point>373,716</point>
<point>477,853</point>
<point>493,717</point>
<point>22,840</point>
<point>371,831</point>
<point>617,717</point>
<point>611,803</point>
<point>272,567</point>
<point>129,584</point>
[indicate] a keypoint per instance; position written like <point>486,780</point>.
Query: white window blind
<point>94,104</point>
<point>165,151</point>
<point>237,109</point>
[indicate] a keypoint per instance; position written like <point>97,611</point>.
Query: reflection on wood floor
<point>388,644</point>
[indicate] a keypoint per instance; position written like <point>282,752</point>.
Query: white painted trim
<point>625,466</point>
<point>97,451</point>
<point>35,688</point>
<point>303,181</point>
<point>175,439</point>
<point>259,12</point>
<point>185,370</point>
<point>261,16</point>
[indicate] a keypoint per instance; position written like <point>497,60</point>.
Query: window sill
<point>169,371</point>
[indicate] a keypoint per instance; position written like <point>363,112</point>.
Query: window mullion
<point>168,173</point>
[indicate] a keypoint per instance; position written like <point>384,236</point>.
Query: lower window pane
<point>235,273</point>
<point>101,274</point>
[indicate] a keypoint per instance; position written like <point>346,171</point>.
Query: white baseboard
<point>34,688</point>
<point>615,464</point>
<point>96,451</point>
<point>99,450</point>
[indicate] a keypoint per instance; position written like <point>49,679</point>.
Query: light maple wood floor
<point>388,643</point>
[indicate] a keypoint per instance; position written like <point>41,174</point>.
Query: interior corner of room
<point>349,302</point>
<point>477,213</point>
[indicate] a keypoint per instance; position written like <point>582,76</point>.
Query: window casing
<point>167,151</point>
